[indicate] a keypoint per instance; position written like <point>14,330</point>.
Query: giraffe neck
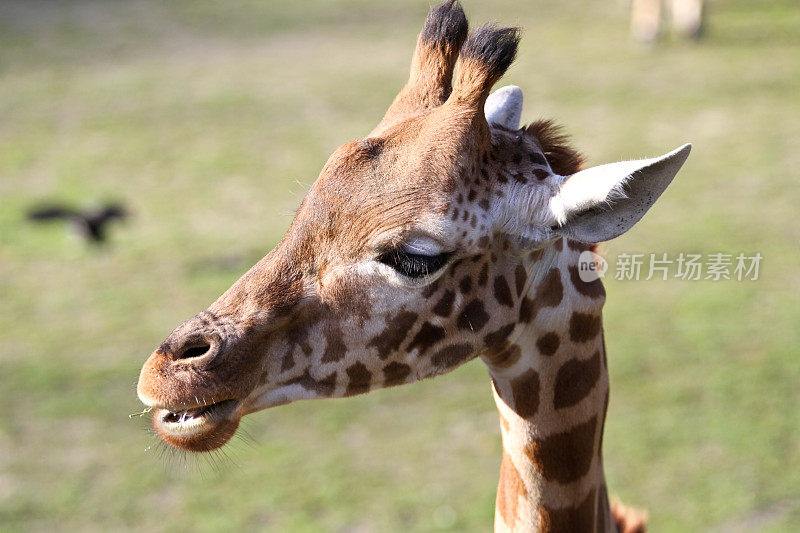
<point>552,401</point>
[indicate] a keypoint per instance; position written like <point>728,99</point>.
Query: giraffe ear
<point>600,203</point>
<point>504,107</point>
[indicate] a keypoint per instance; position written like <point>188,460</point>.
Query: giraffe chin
<point>200,429</point>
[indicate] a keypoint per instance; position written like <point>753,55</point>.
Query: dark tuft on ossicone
<point>494,47</point>
<point>446,26</point>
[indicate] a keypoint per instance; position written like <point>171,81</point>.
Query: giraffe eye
<point>413,265</point>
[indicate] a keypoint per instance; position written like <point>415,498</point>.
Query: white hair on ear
<point>524,214</point>
<point>504,107</point>
<point>594,191</point>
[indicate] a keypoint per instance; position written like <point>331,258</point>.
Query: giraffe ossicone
<point>446,234</point>
<point>504,107</point>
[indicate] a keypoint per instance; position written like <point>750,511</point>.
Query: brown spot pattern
<point>549,294</point>
<point>526,310</point>
<point>473,316</point>
<point>540,174</point>
<point>498,337</point>
<point>445,305</point>
<point>323,387</point>
<point>504,356</point>
<point>575,380</point>
<point>296,336</point>
<point>565,457</point>
<point>335,347</point>
<point>358,379</point>
<point>389,339</point>
<point>395,373</point>
<point>583,327</point>
<point>502,292</point>
<point>571,519</point>
<point>548,343</point>
<point>465,285</point>
<point>592,289</point>
<point>525,388</point>
<point>451,356</point>
<point>427,336</point>
<point>431,289</point>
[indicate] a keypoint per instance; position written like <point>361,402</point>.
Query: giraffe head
<point>413,252</point>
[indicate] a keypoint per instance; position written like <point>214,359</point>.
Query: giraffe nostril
<point>194,351</point>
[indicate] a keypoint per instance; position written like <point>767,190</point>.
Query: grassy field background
<point>211,119</point>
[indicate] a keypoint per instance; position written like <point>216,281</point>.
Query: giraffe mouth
<point>194,415</point>
<point>198,429</point>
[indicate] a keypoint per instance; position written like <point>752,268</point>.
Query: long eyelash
<point>414,265</point>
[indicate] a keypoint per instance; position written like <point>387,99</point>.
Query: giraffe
<point>447,234</point>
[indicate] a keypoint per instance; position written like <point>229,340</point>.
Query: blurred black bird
<point>90,223</point>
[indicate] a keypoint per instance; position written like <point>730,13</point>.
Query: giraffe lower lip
<point>199,429</point>
<point>198,415</point>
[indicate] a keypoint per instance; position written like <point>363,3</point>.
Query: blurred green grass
<point>212,119</point>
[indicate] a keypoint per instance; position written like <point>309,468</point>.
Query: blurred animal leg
<point>646,17</point>
<point>687,18</point>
